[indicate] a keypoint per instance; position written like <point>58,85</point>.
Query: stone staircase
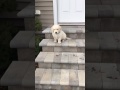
<point>73,33</point>
<point>20,74</point>
<point>61,66</point>
<point>61,60</point>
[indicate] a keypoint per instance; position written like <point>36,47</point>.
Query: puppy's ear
<point>52,28</point>
<point>60,28</point>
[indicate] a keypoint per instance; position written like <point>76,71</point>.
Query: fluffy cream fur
<point>58,34</point>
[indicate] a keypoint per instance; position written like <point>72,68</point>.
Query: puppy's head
<point>56,29</point>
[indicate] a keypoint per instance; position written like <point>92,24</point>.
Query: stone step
<point>73,26</point>
<point>59,79</point>
<point>99,41</point>
<point>23,39</point>
<point>19,73</point>
<point>61,60</point>
<point>73,33</point>
<point>72,45</point>
<point>28,11</point>
<point>102,75</point>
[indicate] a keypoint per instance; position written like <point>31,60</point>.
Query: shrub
<point>37,41</point>
<point>38,25</point>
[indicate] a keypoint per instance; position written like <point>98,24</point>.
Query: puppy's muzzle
<point>57,32</point>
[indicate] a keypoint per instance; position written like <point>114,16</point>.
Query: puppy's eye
<point>57,29</point>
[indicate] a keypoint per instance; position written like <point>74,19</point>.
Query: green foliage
<point>37,41</point>
<point>7,5</point>
<point>38,25</point>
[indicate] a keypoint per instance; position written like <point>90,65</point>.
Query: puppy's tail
<point>68,38</point>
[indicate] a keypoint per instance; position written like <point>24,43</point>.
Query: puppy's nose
<point>56,32</point>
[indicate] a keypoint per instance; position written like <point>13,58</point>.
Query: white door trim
<point>55,12</point>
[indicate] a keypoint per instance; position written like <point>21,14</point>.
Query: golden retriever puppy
<point>58,34</point>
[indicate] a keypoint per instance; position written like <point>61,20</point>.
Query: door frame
<point>55,11</point>
<point>55,15</point>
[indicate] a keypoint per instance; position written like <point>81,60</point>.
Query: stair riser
<point>61,66</point>
<point>29,54</point>
<point>58,87</point>
<point>72,35</point>
<point>63,49</point>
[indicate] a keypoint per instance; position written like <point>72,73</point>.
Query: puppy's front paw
<point>59,42</point>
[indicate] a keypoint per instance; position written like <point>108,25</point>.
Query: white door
<point>71,11</point>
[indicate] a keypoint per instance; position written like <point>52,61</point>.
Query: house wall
<point>46,8</point>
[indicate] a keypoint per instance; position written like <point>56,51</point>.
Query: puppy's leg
<point>63,40</point>
<point>55,40</point>
<point>59,40</point>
